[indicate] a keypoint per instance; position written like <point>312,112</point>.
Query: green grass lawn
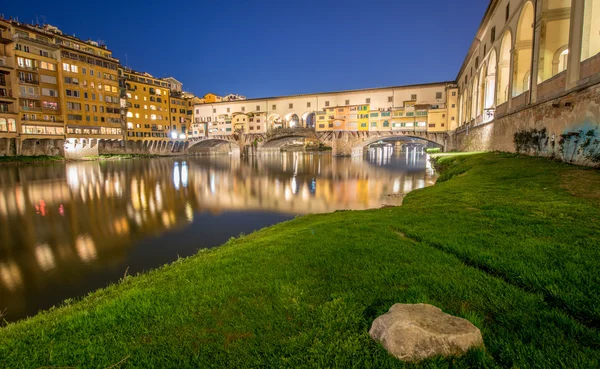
<point>509,242</point>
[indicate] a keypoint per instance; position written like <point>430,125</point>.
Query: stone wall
<point>8,146</point>
<point>35,147</point>
<point>562,118</point>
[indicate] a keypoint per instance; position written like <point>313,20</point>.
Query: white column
<point>537,35</point>
<point>511,66</point>
<point>575,36</point>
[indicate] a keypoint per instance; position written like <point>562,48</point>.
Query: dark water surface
<point>67,229</point>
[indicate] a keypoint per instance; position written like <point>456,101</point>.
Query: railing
<point>30,81</point>
<point>31,108</point>
<point>45,43</point>
<point>28,119</point>
<point>26,95</point>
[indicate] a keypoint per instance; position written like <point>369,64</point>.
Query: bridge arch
<point>438,140</point>
<point>214,146</point>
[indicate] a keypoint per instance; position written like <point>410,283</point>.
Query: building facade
<point>526,52</point>
<point>148,117</point>
<point>428,107</point>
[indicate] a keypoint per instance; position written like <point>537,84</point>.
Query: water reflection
<point>66,229</point>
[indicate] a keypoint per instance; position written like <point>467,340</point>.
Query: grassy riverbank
<point>510,243</point>
<point>29,159</point>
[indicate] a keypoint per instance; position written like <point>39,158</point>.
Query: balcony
<point>29,96</point>
<point>6,94</point>
<point>28,119</point>
<point>25,67</point>
<point>29,81</point>
<point>18,37</point>
<point>31,108</point>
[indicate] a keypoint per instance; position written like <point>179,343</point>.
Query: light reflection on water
<point>67,229</point>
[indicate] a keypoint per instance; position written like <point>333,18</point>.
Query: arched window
<point>523,49</point>
<point>556,16</point>
<point>504,69</point>
<point>590,45</point>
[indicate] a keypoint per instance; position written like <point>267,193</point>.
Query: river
<point>69,228</point>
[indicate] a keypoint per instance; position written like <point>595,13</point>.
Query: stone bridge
<point>343,143</point>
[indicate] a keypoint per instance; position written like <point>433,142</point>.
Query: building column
<point>575,37</point>
<point>535,57</point>
<point>511,66</point>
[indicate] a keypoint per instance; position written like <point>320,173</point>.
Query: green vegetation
<point>508,242</point>
<point>29,159</point>
<point>434,150</point>
<point>119,156</point>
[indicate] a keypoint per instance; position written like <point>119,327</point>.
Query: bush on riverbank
<point>433,150</point>
<point>508,242</point>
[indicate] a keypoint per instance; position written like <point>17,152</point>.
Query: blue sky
<point>269,48</point>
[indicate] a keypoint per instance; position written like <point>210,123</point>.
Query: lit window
<point>137,115</point>
<point>153,116</point>
<point>130,114</point>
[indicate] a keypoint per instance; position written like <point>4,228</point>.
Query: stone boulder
<point>413,332</point>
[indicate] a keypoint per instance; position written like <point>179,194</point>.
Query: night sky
<point>270,48</point>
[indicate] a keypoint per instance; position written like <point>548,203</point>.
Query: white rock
<point>413,332</point>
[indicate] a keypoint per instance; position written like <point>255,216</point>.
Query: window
<point>291,106</point>
<point>391,99</point>
<point>326,103</point>
<point>368,100</point>
<point>243,108</point>
<point>493,34</point>
<point>228,110</point>
<point>507,12</point>
<point>83,71</point>
<point>48,79</point>
<point>307,105</point>
<point>413,97</point>
<point>66,67</point>
<point>438,95</point>
<point>274,107</point>
<point>74,68</point>
<point>49,92</point>
<point>453,93</point>
<point>214,111</point>
<point>476,62</point>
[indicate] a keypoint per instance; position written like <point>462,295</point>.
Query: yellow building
<point>362,112</point>
<point>90,89</point>
<point>41,113</point>
<point>9,120</point>
<point>322,120</point>
<point>212,98</point>
<point>148,116</point>
<point>240,122</point>
<point>178,115</point>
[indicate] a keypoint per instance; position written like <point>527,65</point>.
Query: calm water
<point>67,229</point>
